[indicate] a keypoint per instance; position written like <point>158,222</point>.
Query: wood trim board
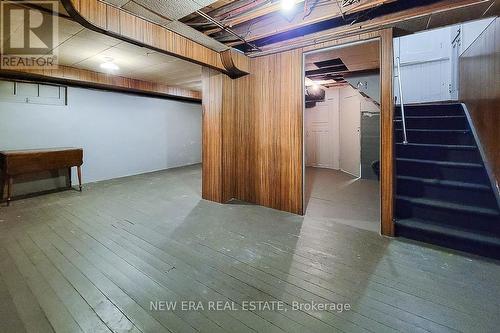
<point>85,78</point>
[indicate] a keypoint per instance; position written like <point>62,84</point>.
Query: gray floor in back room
<point>103,260</point>
<point>341,197</point>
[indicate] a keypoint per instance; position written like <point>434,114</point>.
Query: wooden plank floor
<point>95,261</point>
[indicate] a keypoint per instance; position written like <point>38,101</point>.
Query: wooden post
<point>387,133</point>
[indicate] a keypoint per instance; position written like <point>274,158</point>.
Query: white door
<point>350,146</point>
<point>320,150</point>
<point>425,66</point>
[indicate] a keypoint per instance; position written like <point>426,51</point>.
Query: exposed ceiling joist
<point>250,15</point>
<point>312,12</point>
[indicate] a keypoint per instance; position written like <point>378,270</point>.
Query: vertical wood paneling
<point>113,19</point>
<point>387,133</point>
<point>277,107</point>
<point>259,158</point>
<point>480,91</point>
<point>212,181</point>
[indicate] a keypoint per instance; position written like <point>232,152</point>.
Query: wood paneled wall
<point>212,135</point>
<point>253,131</point>
<point>278,133</point>
<point>252,148</point>
<point>69,75</point>
<point>480,91</point>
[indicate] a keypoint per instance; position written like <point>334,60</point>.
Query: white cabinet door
<point>350,122</point>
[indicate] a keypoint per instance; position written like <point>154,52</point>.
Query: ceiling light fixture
<point>109,65</point>
<point>287,4</point>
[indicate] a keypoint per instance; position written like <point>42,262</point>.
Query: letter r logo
<point>26,30</point>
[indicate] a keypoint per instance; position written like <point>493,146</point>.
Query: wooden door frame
<point>387,167</point>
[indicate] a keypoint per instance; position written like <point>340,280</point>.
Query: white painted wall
<point>428,64</point>
<point>121,134</point>
<point>471,30</point>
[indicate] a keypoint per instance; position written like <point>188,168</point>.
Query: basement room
<point>249,166</point>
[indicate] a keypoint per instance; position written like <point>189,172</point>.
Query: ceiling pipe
<point>226,29</point>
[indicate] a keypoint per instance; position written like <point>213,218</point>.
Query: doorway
<point>342,134</point>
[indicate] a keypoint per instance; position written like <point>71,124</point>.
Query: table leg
<point>9,189</point>
<point>79,170</point>
<point>69,177</point>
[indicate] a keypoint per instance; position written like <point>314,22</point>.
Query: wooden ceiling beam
<point>274,24</point>
<point>250,15</point>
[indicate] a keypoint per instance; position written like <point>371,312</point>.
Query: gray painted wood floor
<point>94,262</point>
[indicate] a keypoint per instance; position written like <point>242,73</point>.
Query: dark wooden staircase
<point>444,195</point>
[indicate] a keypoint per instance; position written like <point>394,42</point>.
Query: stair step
<point>448,109</point>
<point>446,190</point>
<point>452,206</point>
<point>447,183</point>
<point>429,117</point>
<point>441,163</point>
<point>438,136</point>
<point>439,152</point>
<point>451,237</point>
<point>444,170</point>
<point>433,122</point>
<point>452,214</point>
<point>434,145</point>
<point>425,130</point>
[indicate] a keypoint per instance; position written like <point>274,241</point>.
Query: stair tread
<point>427,117</point>
<point>444,163</point>
<point>451,183</point>
<point>447,230</point>
<point>450,205</point>
<point>436,104</point>
<point>437,145</point>
<point>434,130</point>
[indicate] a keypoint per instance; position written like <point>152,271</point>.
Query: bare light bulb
<point>110,66</point>
<point>287,4</point>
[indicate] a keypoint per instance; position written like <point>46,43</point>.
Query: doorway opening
<point>342,134</point>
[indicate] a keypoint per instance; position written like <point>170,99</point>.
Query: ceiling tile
<point>174,9</point>
<point>68,26</point>
<point>117,3</point>
<point>77,49</point>
<point>98,38</point>
<point>147,14</point>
